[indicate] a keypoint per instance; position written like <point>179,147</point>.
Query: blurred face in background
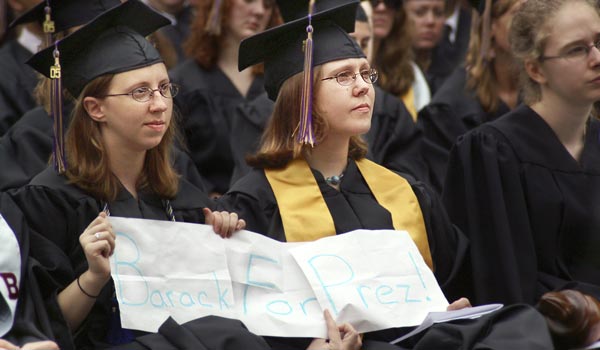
<point>383,16</point>
<point>427,18</point>
<point>248,17</point>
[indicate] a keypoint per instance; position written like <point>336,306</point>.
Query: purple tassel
<point>305,128</point>
<point>213,25</point>
<point>48,24</point>
<point>56,113</point>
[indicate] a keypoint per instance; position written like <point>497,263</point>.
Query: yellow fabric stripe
<point>409,102</point>
<point>395,194</point>
<point>304,214</point>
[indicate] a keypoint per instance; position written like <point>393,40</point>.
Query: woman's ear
<point>93,107</point>
<point>535,71</point>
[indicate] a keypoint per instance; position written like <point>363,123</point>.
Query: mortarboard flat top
<point>66,13</point>
<point>281,48</point>
<point>112,43</point>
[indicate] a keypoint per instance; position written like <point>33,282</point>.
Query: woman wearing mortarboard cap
<point>485,89</point>
<point>311,178</point>
<point>116,160</point>
<point>211,86</point>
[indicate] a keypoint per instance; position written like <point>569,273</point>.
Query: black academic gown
<point>453,111</point>
<point>530,210</point>
<point>60,212</point>
<point>206,102</point>
<point>17,84</point>
<point>27,146</point>
<point>393,139</point>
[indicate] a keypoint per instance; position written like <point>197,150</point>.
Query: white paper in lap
<point>163,270</point>
<point>373,279</point>
<point>274,296</point>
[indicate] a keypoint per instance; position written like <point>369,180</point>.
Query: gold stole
<point>305,215</point>
<point>409,102</point>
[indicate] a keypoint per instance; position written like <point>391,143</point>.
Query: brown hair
<point>394,55</point>
<point>279,145</point>
<point>528,34</point>
<point>480,77</point>
<point>573,318</point>
<point>203,44</point>
<point>87,161</point>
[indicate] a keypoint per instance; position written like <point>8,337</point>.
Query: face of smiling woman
<point>127,124</point>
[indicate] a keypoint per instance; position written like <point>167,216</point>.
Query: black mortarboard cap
<point>113,42</point>
<point>66,13</point>
<point>281,48</point>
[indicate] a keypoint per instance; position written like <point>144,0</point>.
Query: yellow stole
<point>305,215</point>
<point>409,102</point>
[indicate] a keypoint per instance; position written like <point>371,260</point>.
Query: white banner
<point>372,279</point>
<point>10,273</point>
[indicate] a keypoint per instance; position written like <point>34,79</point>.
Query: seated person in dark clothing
<point>525,187</point>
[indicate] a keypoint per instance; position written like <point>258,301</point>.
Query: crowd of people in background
<point>472,125</point>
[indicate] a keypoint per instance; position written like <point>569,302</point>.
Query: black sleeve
<point>483,194</point>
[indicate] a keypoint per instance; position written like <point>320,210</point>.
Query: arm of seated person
<point>38,345</point>
<point>77,299</point>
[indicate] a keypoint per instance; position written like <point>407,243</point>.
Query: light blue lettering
<point>200,295</point>
<point>133,265</point>
<point>272,307</point>
<point>162,301</point>
<point>323,284</point>
<point>222,301</point>
<point>189,302</point>
<point>362,297</point>
<point>249,282</point>
<point>303,304</point>
<point>406,298</point>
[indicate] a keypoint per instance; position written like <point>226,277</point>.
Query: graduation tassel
<point>213,24</point>
<point>305,130</point>
<point>56,113</point>
<point>48,24</point>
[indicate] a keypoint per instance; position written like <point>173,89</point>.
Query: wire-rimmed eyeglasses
<point>144,93</point>
<point>347,78</point>
<point>576,53</point>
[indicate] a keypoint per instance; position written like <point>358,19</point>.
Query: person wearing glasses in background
<point>525,188</point>
<point>116,161</point>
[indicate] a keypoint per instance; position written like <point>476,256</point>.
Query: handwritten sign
<point>10,275</point>
<point>372,279</point>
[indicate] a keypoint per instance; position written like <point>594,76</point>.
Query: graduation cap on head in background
<point>113,42</point>
<point>314,34</point>
<point>60,15</point>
